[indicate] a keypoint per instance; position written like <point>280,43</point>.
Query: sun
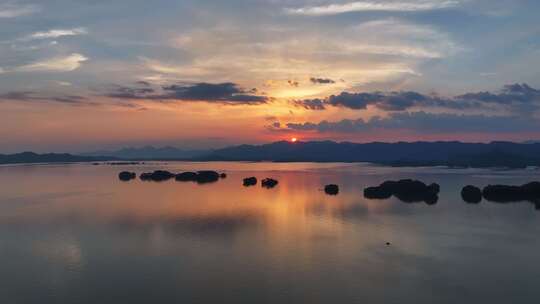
<point>294,139</point>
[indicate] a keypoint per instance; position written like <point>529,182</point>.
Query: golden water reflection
<point>70,223</point>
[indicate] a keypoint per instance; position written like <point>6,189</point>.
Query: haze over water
<point>76,234</point>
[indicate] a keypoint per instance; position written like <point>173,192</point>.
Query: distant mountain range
<point>149,152</point>
<point>455,154</point>
<point>504,154</point>
<point>33,158</point>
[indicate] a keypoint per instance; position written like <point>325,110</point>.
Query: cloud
<point>401,101</point>
<point>57,33</point>
<point>423,122</point>
<point>311,104</point>
<point>226,93</point>
<point>143,83</point>
<point>321,80</point>
<point>396,37</point>
<point>57,64</point>
<point>381,50</point>
<point>514,93</point>
<point>354,101</point>
<point>514,96</point>
<point>11,10</point>
<point>293,83</point>
<point>222,92</point>
<point>366,6</point>
<point>33,96</point>
<point>393,101</point>
<point>123,92</point>
<point>67,99</point>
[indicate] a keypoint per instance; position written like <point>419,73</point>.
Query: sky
<point>84,75</point>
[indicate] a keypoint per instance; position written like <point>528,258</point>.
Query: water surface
<point>76,234</point>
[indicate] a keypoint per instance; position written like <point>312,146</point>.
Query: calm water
<point>76,234</point>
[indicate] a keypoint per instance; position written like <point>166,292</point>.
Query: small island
<point>406,190</point>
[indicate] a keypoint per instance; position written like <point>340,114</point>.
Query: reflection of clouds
<point>339,211</point>
<point>41,198</point>
<point>219,210</point>
<point>360,209</point>
<point>129,235</point>
<point>205,225</point>
<point>62,251</point>
<point>351,211</point>
<point>534,202</point>
<point>174,237</point>
<point>216,225</point>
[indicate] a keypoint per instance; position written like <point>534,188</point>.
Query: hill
<point>32,158</point>
<point>504,154</point>
<point>149,152</point>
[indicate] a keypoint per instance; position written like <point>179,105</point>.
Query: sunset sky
<point>83,75</point>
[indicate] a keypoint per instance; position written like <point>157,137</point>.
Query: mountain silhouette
<point>504,154</point>
<point>451,153</point>
<point>32,158</point>
<point>149,152</point>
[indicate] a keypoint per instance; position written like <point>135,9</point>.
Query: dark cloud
<point>144,83</point>
<point>227,92</point>
<point>74,100</point>
<point>394,101</point>
<point>514,93</point>
<point>203,91</point>
<point>131,93</point>
<point>519,97</point>
<point>438,102</point>
<point>30,96</point>
<point>321,80</point>
<point>401,101</point>
<point>424,122</point>
<point>310,104</point>
<point>355,101</point>
<point>293,83</point>
<point>17,95</point>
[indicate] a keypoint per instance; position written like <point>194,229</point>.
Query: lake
<point>76,234</point>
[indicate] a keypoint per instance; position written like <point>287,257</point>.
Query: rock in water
<point>127,176</point>
<point>331,189</point>
<point>269,183</point>
<point>504,194</point>
<point>201,177</point>
<point>532,189</point>
<point>431,199</point>
<point>406,190</point>
<point>204,177</point>
<point>250,181</point>
<point>507,194</point>
<point>471,194</point>
<point>434,188</point>
<point>157,176</point>
<point>145,176</point>
<point>377,193</point>
<point>186,177</point>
